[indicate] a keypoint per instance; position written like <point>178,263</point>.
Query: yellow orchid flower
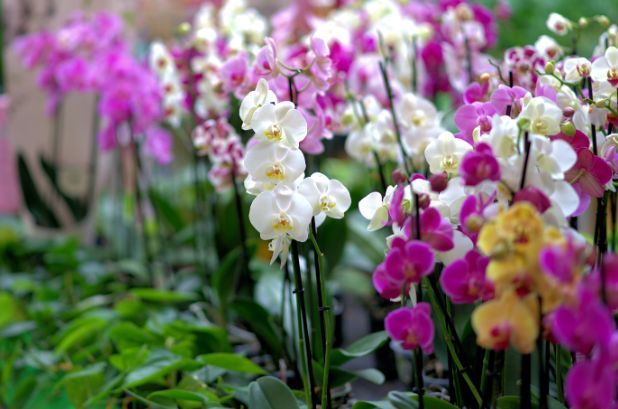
<point>508,320</point>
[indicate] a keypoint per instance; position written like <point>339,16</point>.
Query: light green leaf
<point>162,296</point>
<point>231,362</point>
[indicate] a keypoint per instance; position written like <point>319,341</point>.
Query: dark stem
<point>322,307</point>
<point>413,65</point>
<point>140,208</point>
<point>380,167</point>
<point>524,170</point>
<point>94,157</point>
<point>613,208</point>
<point>300,301</point>
<point>488,379</point>
<point>524,391</point>
<point>593,128</point>
<point>420,384</point>
<point>242,231</point>
<point>469,68</point>
<point>543,383</point>
<point>391,100</point>
<point>510,79</point>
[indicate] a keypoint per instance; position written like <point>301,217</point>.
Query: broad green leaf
<point>166,210</point>
<point>373,405</point>
<point>158,364</point>
<point>88,329</point>
<point>362,347</point>
<point>162,296</point>
<point>82,385</point>
<point>261,323</point>
<point>180,394</point>
<point>232,362</point>
<point>508,402</point>
<point>43,214</point>
<point>9,309</point>
<point>128,335</point>
<point>270,393</point>
<point>224,278</point>
<point>157,403</point>
<point>407,400</point>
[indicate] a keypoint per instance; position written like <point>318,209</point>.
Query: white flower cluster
<point>372,133</point>
<point>164,66</point>
<point>285,201</point>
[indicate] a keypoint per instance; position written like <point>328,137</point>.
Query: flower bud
<point>603,21</point>
<point>438,182</point>
<point>568,112</point>
<point>424,201</point>
<point>550,67</point>
<point>485,77</point>
<point>568,128</point>
<point>399,176</point>
<point>583,22</point>
<point>184,28</point>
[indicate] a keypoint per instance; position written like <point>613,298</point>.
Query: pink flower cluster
<point>89,54</point>
<point>219,142</point>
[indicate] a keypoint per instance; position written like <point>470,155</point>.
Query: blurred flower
<point>444,154</point>
<point>605,68</point>
<point>375,208</point>
<point>412,327</point>
<point>506,321</point>
<point>591,385</point>
<point>558,24</point>
<point>253,101</point>
<point>479,165</point>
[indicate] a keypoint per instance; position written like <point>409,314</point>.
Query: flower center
<point>326,203</point>
<point>539,126</point>
<point>276,172</point>
<point>283,224</point>
<point>500,335</point>
<point>449,163</point>
<point>274,134</point>
<point>612,76</point>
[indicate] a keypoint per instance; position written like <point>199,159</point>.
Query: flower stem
<point>487,378</point>
<point>324,314</point>
<point>524,169</point>
<point>242,231</point>
<point>524,390</point>
<point>391,103</point>
<point>94,156</point>
<point>304,336</point>
<point>452,351</point>
<point>140,209</point>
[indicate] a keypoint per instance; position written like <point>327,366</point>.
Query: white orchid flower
<point>254,101</point>
<point>558,24</point>
<point>375,208</point>
<point>271,164</point>
<point>576,68</point>
<point>445,153</point>
<point>281,214</point>
<point>606,68</point>
<point>503,136</point>
<point>328,197</point>
<point>553,157</point>
<point>548,47</point>
<point>543,114</point>
<point>279,123</point>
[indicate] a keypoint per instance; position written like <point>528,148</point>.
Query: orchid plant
<point>495,255</point>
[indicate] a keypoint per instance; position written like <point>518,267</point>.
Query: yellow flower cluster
<point>514,241</point>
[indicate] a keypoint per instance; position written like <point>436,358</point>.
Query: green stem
<point>451,349</point>
<point>324,314</point>
<point>300,301</point>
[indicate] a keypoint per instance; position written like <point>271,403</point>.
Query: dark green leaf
<point>224,278</point>
<point>83,384</point>
<point>362,347</point>
<point>261,323</point>
<point>77,207</point>
<point>271,393</point>
<point>166,210</point>
<point>158,364</point>
<point>43,215</point>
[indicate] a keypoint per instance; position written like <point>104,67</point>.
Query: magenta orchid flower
<point>464,280</point>
<point>584,326</point>
<point>591,385</point>
<point>405,264</point>
<point>468,117</point>
<point>479,165</point>
<point>436,231</point>
<point>412,327</point>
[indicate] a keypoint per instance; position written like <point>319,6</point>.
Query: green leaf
<point>223,278</point>
<point>362,347</point>
<point>128,335</point>
<point>407,400</point>
<point>373,405</point>
<point>166,210</point>
<point>43,215</point>
<point>83,384</point>
<point>180,394</point>
<point>270,393</point>
<point>162,296</point>
<point>87,329</point>
<point>9,309</point>
<point>78,207</point>
<point>508,402</point>
<point>231,362</point>
<point>158,364</point>
<point>261,323</point>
